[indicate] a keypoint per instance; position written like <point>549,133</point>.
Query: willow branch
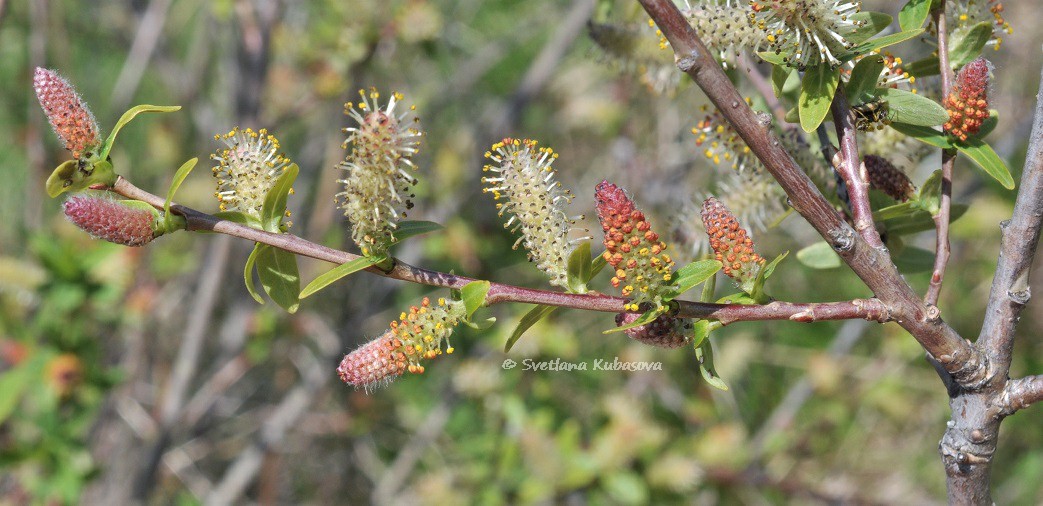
<point>1021,393</point>
<point>1010,286</point>
<point>872,265</point>
<point>850,167</point>
<point>941,220</point>
<point>867,309</point>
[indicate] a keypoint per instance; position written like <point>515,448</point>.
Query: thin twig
<point>850,167</point>
<point>872,265</point>
<point>1021,393</point>
<point>941,220</point>
<point>869,309</point>
<point>1010,286</point>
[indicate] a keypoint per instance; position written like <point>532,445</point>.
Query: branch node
<point>1020,296</point>
<point>933,314</point>
<point>687,63</point>
<point>842,239</point>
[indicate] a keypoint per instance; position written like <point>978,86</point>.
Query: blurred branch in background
<point>146,38</point>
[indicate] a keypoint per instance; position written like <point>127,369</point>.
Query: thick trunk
<point>968,446</point>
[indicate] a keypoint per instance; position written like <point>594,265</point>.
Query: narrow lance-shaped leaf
<point>132,113</point>
<point>274,207</point>
<point>527,321</point>
<point>179,177</point>
<point>331,276</point>
<point>579,266</point>
<point>985,158</point>
<point>473,294</point>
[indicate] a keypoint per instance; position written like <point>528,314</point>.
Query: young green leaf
<point>280,278</point>
<point>929,198</point>
<point>769,269</point>
<point>579,265</point>
<point>329,277</point>
<point>274,207</point>
<point>133,112</point>
<point>236,217</point>
<point>473,294</point>
<point>773,58</point>
<point>645,318</point>
<point>704,354</point>
<point>411,228</point>
<point>248,273</point>
<point>966,45</point>
<point>861,86</point>
<point>482,325</point>
<point>894,211</point>
<point>757,290</point>
<point>596,265</point>
<point>983,155</point>
<point>77,175</point>
<point>700,331</point>
<point>872,24</point>
<point>527,321</point>
<point>819,256</point>
<point>923,68</point>
<point>919,220</point>
<point>780,74</point>
<point>816,94</point>
<point>692,274</point>
<point>926,135</point>
<point>179,177</point>
<point>989,124</point>
<point>912,109</point>
<point>913,14</point>
<point>881,42</point>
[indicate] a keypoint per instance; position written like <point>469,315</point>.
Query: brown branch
<point>1021,393</point>
<point>872,265</point>
<point>1010,286</point>
<point>868,309</point>
<point>852,170</point>
<point>941,220</point>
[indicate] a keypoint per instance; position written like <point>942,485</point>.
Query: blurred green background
<point>149,374</point>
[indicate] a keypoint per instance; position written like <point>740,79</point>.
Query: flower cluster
<point>111,220</point>
<point>807,32</point>
<point>964,14</point>
<point>665,331</point>
<point>968,103</point>
<point>417,335</point>
<point>378,185</point>
<point>731,244</point>
<point>524,179</point>
<point>642,267</point>
<point>894,75</point>
<point>721,143</point>
<point>884,176</point>
<point>66,111</point>
<point>247,169</point>
<point>725,27</point>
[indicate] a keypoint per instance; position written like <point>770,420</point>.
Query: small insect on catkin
<point>731,244</point>
<point>68,114</point>
<point>111,220</point>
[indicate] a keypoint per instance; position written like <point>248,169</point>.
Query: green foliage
<point>346,269</point>
<point>133,112</point>
<point>816,94</point>
<point>913,109</point>
<point>277,270</point>
<point>473,294</point>
<point>689,276</point>
<point>579,268</point>
<point>819,256</point>
<point>913,14</point>
<point>532,317</point>
<point>966,45</point>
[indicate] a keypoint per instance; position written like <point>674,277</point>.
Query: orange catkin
<point>968,103</point>
<point>731,243</point>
